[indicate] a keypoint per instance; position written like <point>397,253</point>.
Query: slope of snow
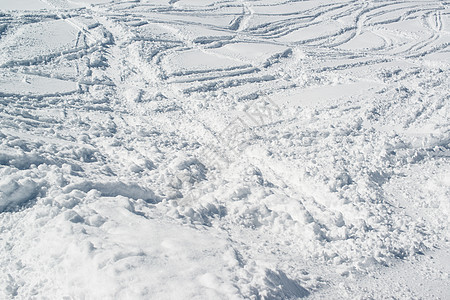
<point>224,149</point>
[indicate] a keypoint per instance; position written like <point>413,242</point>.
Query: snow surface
<point>224,149</point>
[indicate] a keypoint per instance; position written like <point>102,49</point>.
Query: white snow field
<point>224,149</point>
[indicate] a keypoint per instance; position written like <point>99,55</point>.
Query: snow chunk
<point>113,189</point>
<point>282,287</point>
<point>15,192</point>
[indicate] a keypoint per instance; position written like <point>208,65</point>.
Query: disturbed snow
<point>224,149</point>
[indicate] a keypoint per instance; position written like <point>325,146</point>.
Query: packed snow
<point>188,149</point>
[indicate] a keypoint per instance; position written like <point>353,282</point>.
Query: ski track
<point>224,150</point>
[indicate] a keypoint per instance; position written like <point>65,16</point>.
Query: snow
<point>15,84</point>
<point>224,149</point>
<point>22,5</point>
<point>16,192</point>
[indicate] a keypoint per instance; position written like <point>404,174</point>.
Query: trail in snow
<point>224,149</point>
